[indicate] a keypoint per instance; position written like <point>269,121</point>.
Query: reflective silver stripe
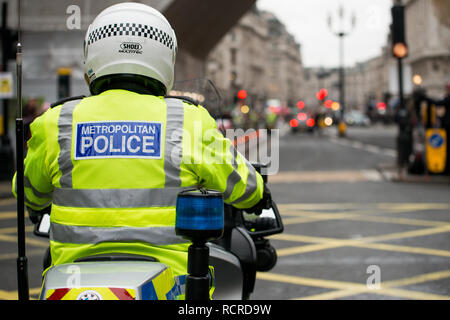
<point>38,194</point>
<point>232,180</point>
<point>252,183</point>
<point>28,201</point>
<point>234,153</point>
<point>116,198</point>
<point>65,142</point>
<point>173,142</point>
<point>234,177</point>
<point>94,235</point>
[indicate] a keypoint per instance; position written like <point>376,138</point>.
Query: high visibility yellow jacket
<point>111,166</point>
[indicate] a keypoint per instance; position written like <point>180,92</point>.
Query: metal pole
<point>342,128</point>
<point>400,84</point>
<point>404,139</point>
<point>342,75</point>
<point>22,261</point>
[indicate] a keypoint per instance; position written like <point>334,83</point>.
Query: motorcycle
<point>236,249</point>
<point>237,256</point>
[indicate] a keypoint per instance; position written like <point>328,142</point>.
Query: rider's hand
<point>36,215</point>
<point>264,203</point>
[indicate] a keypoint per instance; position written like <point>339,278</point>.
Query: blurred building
<point>52,39</point>
<point>358,85</point>
<point>428,38</point>
<point>260,56</point>
<point>380,77</point>
<point>239,60</point>
<point>49,44</point>
<point>361,81</point>
<point>372,80</point>
<point>285,63</point>
<point>376,80</point>
<point>316,78</point>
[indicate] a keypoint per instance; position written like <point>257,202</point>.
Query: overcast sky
<point>307,20</point>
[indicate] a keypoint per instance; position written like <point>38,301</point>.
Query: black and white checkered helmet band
<point>131,29</point>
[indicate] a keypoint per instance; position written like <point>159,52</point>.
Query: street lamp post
<point>342,33</point>
<point>400,52</point>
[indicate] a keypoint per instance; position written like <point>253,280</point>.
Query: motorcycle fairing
<point>138,280</point>
<point>94,293</point>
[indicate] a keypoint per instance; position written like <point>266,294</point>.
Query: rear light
<point>310,122</point>
<point>293,123</point>
<point>381,105</point>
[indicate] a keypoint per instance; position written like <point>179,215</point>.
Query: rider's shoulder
<point>62,101</point>
<point>188,100</point>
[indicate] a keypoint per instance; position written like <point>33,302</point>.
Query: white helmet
<point>130,38</point>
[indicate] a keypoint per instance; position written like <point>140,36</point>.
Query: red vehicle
<point>302,121</point>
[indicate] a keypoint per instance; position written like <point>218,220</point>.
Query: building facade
<point>52,37</point>
<point>428,39</point>
<point>376,80</point>
<point>53,34</point>
<point>259,56</point>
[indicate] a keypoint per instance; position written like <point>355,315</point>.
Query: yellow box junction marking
<point>307,213</point>
<point>346,289</point>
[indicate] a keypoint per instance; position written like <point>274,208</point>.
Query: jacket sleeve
<point>37,180</point>
<point>224,169</point>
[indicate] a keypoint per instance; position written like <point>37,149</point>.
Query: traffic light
<point>322,94</point>
<point>239,97</point>
<point>300,104</point>
<point>242,94</point>
<point>399,46</point>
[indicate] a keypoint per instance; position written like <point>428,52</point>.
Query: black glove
<point>264,203</point>
<point>36,215</point>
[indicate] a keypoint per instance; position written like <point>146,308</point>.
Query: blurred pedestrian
<point>370,109</point>
<point>30,113</point>
<point>419,95</point>
<point>404,139</point>
<point>271,121</point>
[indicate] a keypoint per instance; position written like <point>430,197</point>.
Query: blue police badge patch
<point>118,139</point>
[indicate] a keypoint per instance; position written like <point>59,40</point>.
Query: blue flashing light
<point>199,211</point>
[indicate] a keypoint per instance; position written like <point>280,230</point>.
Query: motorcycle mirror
<point>42,228</point>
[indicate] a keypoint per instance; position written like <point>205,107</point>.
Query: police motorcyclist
<point>111,165</point>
